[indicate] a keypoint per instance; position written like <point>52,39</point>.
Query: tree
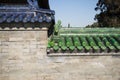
<point>94,25</point>
<point>57,26</point>
<point>109,13</point>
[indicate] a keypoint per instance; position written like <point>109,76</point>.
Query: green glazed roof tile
<point>86,42</point>
<point>64,48</point>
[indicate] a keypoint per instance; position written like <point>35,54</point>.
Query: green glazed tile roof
<point>94,42</point>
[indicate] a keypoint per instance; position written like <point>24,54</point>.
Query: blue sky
<point>78,13</point>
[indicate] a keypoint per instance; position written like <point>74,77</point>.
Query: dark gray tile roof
<point>22,15</point>
<point>25,17</point>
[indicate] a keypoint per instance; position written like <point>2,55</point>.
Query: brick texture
<point>23,57</point>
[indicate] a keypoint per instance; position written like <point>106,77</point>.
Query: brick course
<point>23,57</point>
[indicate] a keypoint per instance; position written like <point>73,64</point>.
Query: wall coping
<point>24,29</point>
<point>82,54</point>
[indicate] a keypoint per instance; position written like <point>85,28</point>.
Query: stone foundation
<point>23,57</point>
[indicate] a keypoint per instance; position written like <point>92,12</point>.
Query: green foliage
<point>94,25</point>
<point>50,44</point>
<point>109,13</point>
<point>57,27</point>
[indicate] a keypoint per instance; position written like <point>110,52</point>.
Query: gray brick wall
<point>23,57</point>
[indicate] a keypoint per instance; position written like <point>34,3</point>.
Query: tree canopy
<point>109,13</point>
